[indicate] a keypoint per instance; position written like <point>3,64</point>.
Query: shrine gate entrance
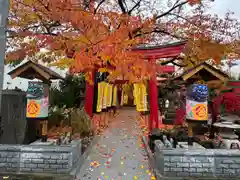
<point>153,55</point>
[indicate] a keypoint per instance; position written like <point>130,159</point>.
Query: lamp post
<point>4,6</point>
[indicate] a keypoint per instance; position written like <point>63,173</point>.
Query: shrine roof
<point>32,70</point>
<point>161,51</point>
<point>147,47</point>
<point>192,71</point>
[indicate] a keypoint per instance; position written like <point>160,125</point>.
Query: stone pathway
<point>119,155</point>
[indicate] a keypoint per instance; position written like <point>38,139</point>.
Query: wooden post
<point>44,127</point>
<point>190,133</point>
<point>153,97</point>
<point>89,95</point>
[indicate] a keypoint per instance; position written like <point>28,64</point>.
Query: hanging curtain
<point>96,93</point>
<point>136,95</point>
<point>114,99</point>
<point>100,96</point>
<point>109,95</point>
<point>125,94</point>
<point>140,96</point>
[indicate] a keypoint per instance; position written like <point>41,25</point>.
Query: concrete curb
<point>84,156</point>
<point>151,158</point>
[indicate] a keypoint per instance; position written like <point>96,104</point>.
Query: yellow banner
<point>140,96</point>
<point>109,95</point>
<point>100,97</point>
<point>105,95</point>
<point>114,102</point>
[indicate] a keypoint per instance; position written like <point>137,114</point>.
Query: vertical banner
<point>37,100</point>
<point>105,95</point>
<point>100,97</point>
<point>109,95</point>
<point>140,96</point>
<point>196,103</point>
<point>114,100</point>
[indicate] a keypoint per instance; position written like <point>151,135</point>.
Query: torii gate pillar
<point>152,54</point>
<point>153,93</point>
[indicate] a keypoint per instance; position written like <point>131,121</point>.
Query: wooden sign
<point>196,111</point>
<point>37,100</point>
<point>197,103</point>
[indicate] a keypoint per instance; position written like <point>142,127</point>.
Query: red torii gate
<point>153,54</point>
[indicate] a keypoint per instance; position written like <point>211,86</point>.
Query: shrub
<point>81,122</point>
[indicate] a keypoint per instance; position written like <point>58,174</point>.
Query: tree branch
<point>134,7</point>
<point>167,33</point>
<point>173,62</point>
<point>176,5</point>
<point>179,65</point>
<point>98,6</point>
<point>121,4</point>
<point>168,61</point>
<point>137,34</point>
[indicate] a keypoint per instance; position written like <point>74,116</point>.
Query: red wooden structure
<point>153,54</point>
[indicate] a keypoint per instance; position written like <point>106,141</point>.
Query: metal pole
<point>4,9</point>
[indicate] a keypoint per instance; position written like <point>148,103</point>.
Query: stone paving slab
<point>119,154</point>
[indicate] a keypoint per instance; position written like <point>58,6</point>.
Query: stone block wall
<point>39,158</point>
<point>227,163</point>
<point>202,163</point>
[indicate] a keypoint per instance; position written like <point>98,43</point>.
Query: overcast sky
<point>219,7</point>
<point>222,6</point>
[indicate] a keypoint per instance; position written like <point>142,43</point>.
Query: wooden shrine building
<point>37,125</point>
<point>32,70</point>
<point>202,72</point>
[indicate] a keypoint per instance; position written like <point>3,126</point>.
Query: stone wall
<point>13,112</point>
<point>41,159</point>
<point>202,163</point>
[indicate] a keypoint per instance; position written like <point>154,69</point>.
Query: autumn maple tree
<point>82,34</point>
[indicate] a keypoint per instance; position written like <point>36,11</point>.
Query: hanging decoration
<point>196,102</point>
<point>140,97</point>
<point>105,95</point>
<point>109,95</point>
<point>114,100</point>
<point>37,100</point>
<point>125,94</point>
<point>100,96</point>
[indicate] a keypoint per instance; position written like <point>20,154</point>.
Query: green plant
<point>81,122</point>
<point>56,115</point>
<point>208,144</point>
<point>70,92</point>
